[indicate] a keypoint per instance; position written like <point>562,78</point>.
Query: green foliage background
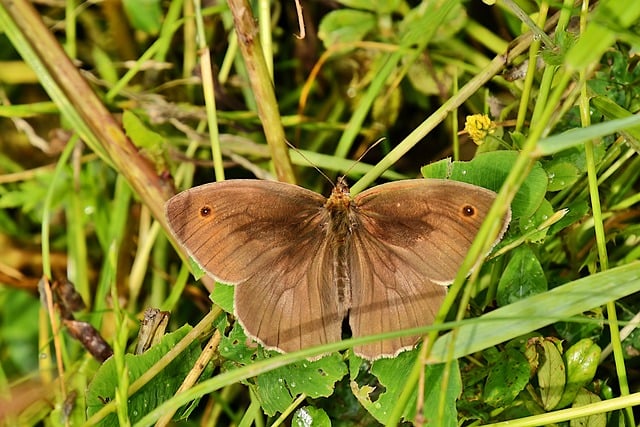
<point>107,109</point>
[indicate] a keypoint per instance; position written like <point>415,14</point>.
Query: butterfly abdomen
<point>339,225</point>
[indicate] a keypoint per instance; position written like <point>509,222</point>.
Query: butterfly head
<point>340,198</point>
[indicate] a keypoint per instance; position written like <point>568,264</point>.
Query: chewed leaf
<point>278,388</point>
<point>381,397</point>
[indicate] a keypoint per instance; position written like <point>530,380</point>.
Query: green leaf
<point>380,398</point>
<point>432,22</point>
<point>562,175</point>
<point>577,136</point>
<point>144,15</point>
<point>19,332</point>
<point>140,135</point>
<point>437,391</point>
<point>611,110</point>
<point>28,195</point>
<point>551,374</point>
<point>234,346</point>
<point>608,21</point>
<point>531,223</point>
<point>152,145</point>
<point>275,390</point>
<point>585,325</point>
<point>440,169</point>
<point>523,277</point>
<point>196,269</point>
<point>430,81</point>
<point>585,397</point>
<point>162,387</point>
<point>222,296</point>
<point>308,416</point>
<point>507,378</point>
<point>375,6</point>
<point>539,310</point>
<point>569,166</point>
<point>576,211</point>
<point>345,26</point>
<point>581,361</point>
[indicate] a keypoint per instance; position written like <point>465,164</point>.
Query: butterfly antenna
<point>346,172</point>
<point>310,162</point>
<point>362,155</point>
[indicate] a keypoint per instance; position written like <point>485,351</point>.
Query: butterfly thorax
<point>340,207</point>
<point>339,225</point>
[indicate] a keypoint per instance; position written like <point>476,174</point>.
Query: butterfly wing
<point>296,300</point>
<point>268,239</point>
<point>410,240</point>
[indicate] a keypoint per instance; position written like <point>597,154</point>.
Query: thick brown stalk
<point>262,85</point>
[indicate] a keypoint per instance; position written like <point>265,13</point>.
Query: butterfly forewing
<point>431,221</point>
<point>233,229</point>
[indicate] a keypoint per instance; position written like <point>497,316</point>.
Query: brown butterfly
<point>301,262</point>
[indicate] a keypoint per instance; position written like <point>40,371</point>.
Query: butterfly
<point>301,263</point>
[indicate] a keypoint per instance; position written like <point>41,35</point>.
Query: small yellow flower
<point>479,127</point>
